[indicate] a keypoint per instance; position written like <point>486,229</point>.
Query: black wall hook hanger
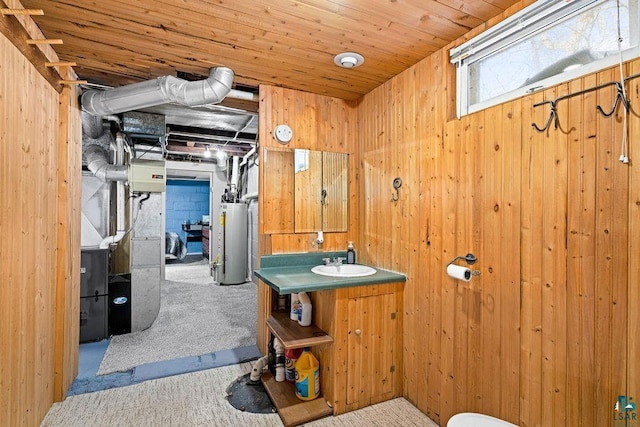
<point>553,115</point>
<point>619,98</point>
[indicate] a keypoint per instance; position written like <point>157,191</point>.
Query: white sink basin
<point>344,270</point>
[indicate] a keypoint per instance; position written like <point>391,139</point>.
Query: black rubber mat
<point>246,396</point>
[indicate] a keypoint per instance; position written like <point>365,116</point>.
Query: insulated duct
<point>92,126</point>
<point>163,90</point>
<point>98,164</point>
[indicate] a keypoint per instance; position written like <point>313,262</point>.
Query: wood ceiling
<point>288,43</point>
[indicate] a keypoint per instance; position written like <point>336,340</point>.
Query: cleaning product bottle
<point>307,376</point>
<point>291,356</point>
<point>351,253</point>
<point>295,303</point>
<point>305,309</point>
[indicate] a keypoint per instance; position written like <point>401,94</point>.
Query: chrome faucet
<point>336,261</point>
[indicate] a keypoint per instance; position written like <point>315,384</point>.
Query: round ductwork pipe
<point>163,90</point>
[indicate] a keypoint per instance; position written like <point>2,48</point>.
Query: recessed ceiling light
<point>348,59</point>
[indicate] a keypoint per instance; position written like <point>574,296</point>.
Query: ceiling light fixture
<point>207,152</point>
<point>348,59</point>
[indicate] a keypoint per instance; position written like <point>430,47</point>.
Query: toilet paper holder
<point>469,259</point>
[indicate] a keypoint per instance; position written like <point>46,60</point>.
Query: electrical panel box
<point>147,176</point>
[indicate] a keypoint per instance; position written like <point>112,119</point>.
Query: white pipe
<point>258,367</point>
<point>248,96</point>
<point>248,197</point>
<point>245,159</point>
<point>234,173</point>
<point>120,193</point>
<point>112,118</point>
<point>112,240</point>
<point>280,360</point>
<point>163,90</point>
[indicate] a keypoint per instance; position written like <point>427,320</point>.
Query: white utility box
<point>147,176</point>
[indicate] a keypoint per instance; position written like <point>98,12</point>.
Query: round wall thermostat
<point>283,133</point>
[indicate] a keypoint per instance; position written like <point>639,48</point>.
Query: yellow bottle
<point>307,376</point>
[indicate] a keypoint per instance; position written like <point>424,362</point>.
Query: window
<point>544,44</point>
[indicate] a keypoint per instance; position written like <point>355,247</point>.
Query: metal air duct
<point>98,164</point>
<point>163,90</point>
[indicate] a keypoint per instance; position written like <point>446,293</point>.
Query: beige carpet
<point>198,399</point>
<point>196,317</point>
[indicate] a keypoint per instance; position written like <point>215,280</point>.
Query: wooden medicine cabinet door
<point>277,191</point>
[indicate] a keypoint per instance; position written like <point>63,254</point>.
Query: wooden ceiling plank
<point>294,60</point>
<point>45,41</point>
<point>288,43</point>
<point>336,28</point>
<point>202,45</point>
<point>502,4</point>
<point>18,35</point>
<point>481,9</point>
<point>427,16</point>
<point>194,27</point>
<point>30,12</point>
<point>272,15</point>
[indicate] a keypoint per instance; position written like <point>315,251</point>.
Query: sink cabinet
<point>365,361</point>
<point>372,375</point>
<point>363,364</point>
<point>356,333</point>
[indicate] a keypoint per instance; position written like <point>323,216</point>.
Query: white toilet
<point>471,419</point>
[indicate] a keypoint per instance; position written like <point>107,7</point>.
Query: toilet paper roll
<point>459,272</point>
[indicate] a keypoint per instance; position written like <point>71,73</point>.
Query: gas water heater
<point>231,261</point>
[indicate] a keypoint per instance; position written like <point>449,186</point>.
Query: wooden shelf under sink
<point>292,410</point>
<point>293,335</point>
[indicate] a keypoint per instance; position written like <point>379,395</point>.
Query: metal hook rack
<point>553,114</point>
<point>619,98</point>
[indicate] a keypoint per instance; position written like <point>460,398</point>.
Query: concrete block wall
<point>186,201</point>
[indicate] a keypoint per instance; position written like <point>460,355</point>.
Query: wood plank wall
<point>547,334</point>
<point>40,163</point>
<point>69,182</point>
<point>318,123</point>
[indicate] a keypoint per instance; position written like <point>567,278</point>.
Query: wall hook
<point>397,183</point>
<point>619,98</point>
<point>553,115</point>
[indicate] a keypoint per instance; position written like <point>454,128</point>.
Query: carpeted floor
<point>199,399</point>
<point>196,317</point>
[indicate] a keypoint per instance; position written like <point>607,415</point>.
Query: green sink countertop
<point>289,273</point>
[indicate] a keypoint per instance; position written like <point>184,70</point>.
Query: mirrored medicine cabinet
<point>305,191</point>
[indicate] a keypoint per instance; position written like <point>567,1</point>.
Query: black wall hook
<point>619,98</point>
<point>553,115</point>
